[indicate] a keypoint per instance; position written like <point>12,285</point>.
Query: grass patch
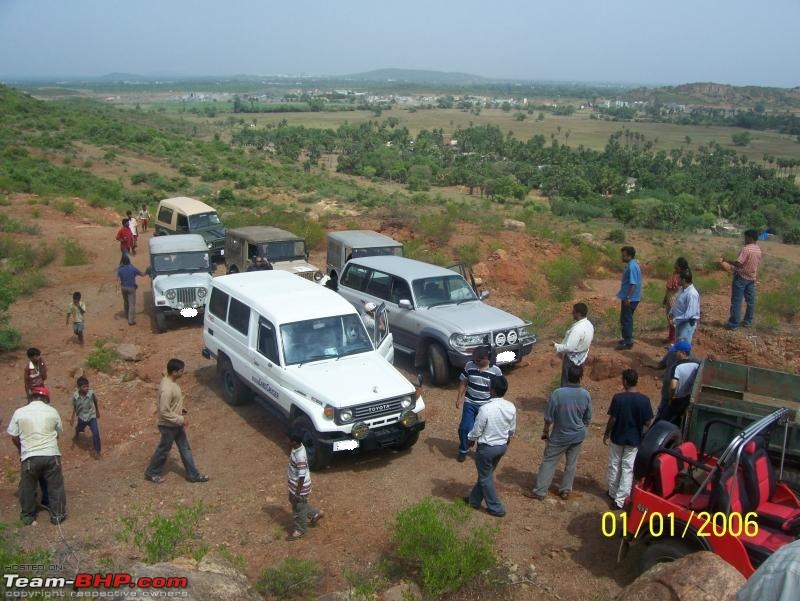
<point>290,579</point>
<point>162,538</point>
<point>435,540</point>
<point>14,226</point>
<point>102,358</point>
<point>781,304</point>
<point>66,206</point>
<point>469,254</point>
<point>606,324</point>
<point>653,293</point>
<point>74,253</point>
<point>11,553</point>
<point>707,284</point>
<point>22,256</point>
<point>563,274</point>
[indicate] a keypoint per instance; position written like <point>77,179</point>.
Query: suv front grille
<point>371,410</point>
<point>186,295</point>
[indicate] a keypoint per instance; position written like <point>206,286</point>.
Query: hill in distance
<point>722,95</point>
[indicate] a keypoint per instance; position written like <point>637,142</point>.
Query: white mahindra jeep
<point>180,274</point>
<point>302,349</point>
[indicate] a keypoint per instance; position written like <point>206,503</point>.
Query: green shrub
<point>653,292</point>
<point>74,253</point>
<point>101,358</point>
<point>13,226</point>
<point>783,303</point>
<point>617,236</point>
<point>469,254</point>
<point>707,284</point>
<point>12,553</point>
<point>66,206</point>
<point>436,227</point>
<point>162,538</point>
<point>436,539</point>
<point>290,579</point>
<point>563,274</point>
<point>10,339</point>
<point>792,235</point>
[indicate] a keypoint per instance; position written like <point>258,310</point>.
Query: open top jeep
<point>282,250</point>
<point>180,273</point>
<point>355,244</point>
<point>734,504</point>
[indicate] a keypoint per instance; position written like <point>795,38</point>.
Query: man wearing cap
<point>475,390</point>
<point>681,378</point>
<point>576,343</point>
<point>34,430</point>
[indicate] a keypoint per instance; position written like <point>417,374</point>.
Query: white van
<point>303,349</point>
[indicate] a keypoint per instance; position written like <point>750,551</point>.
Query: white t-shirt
<point>685,374</point>
<point>132,225</point>
<point>37,425</point>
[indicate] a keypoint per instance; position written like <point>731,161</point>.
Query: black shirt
<point>632,411</point>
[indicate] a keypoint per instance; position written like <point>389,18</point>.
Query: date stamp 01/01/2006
<point>703,523</point>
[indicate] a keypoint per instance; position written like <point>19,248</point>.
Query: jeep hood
<point>471,317</point>
<point>352,380</point>
<point>165,281</point>
<point>212,234</point>
<point>295,267</point>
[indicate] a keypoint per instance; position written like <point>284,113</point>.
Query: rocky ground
<point>243,451</point>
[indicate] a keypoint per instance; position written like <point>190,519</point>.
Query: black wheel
<point>319,455</point>
<point>161,321</point>
<point>438,366</point>
<point>234,391</point>
<point>663,435</point>
<point>662,551</point>
<point>232,269</point>
<point>409,440</point>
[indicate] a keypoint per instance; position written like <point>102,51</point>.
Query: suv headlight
<point>317,276</point>
<point>346,415</point>
<point>465,341</point>
<point>201,292</point>
<point>512,337</point>
<point>408,402</point>
<point>170,294</point>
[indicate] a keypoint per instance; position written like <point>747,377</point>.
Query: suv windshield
<point>196,261</point>
<point>378,251</point>
<point>325,338</point>
<point>286,250</point>
<point>442,290</point>
<point>203,220</point>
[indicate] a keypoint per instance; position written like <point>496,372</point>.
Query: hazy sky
<point>647,41</point>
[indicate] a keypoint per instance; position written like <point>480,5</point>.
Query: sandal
<point>295,535</point>
<point>316,518</point>
<point>155,479</point>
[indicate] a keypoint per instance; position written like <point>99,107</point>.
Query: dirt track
<point>242,448</point>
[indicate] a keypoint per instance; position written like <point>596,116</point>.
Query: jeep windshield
<point>442,290</point>
<point>324,338</point>
<point>180,262</point>
<point>203,221</point>
<point>285,250</point>
<point>378,251</point>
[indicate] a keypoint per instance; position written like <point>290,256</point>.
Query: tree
<point>741,138</point>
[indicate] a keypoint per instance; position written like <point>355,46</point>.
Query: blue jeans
<point>486,460</point>
<point>92,423</point>
<point>468,414</point>
<point>742,288</point>
<point>626,320</point>
<point>685,330</point>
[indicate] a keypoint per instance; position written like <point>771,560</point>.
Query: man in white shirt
<point>34,430</point>
<point>682,375</point>
<point>685,311</point>
<point>576,343</point>
<point>494,426</point>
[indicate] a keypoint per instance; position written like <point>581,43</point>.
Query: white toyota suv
<point>303,349</point>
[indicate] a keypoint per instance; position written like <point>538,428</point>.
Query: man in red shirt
<point>125,239</point>
<point>745,269</point>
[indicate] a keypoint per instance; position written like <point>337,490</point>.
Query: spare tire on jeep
<point>663,435</point>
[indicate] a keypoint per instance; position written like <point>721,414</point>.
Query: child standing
<point>300,486</point>
<point>144,217</point>
<point>84,405</point>
<point>75,312</point>
<point>134,231</point>
<point>35,371</point>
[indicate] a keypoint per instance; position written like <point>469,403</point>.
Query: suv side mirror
<point>405,304</point>
<point>484,294</point>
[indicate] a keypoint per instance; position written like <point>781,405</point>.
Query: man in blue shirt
<point>630,293</point>
<point>685,311</point>
<point>127,280</point>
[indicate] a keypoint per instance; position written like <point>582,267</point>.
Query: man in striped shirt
<point>474,390</point>
<point>299,477</point>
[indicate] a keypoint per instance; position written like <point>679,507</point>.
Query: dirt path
<point>242,448</point>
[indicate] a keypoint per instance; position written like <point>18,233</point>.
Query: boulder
<point>129,352</point>
<point>211,579</point>
<point>513,224</point>
<point>701,576</point>
<point>405,591</point>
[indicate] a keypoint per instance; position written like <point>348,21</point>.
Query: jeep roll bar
<point>732,454</point>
